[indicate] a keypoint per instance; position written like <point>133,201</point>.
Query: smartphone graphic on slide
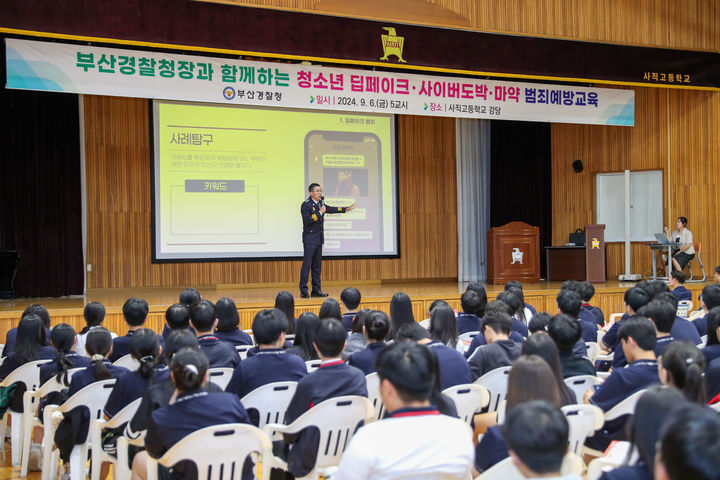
<point>348,166</point>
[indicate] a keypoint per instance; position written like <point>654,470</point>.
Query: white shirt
<point>422,447</point>
<point>80,341</point>
<point>685,237</point>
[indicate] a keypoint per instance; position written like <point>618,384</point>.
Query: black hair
<point>437,303</point>
<point>443,326</point>
<point>94,314</point>
<point>408,366</point>
<point>268,325</point>
<point>544,347</point>
<point>330,337</point>
<point>537,432</point>
<point>711,295</point>
<point>330,308</point>
<point>135,311</point>
<point>189,367</point>
<point>713,323</point>
<point>189,296</point>
<point>177,316</point>
<point>312,186</point>
<point>470,302</point>
<point>285,302</point>
<point>413,332</point>
<point>520,312</point>
<point>667,297</point>
<point>358,321</point>
<point>565,331</point>
<point>717,269</point>
<point>683,220</point>
<point>636,298</point>
<point>377,325</point>
<point>569,302</point>
<point>539,322</point>
<point>512,284</point>
<point>62,337</point>
<point>661,313</point>
<point>685,365</point>
<point>572,285</point>
<point>99,342</point>
<point>30,338</point>
<point>679,276</point>
<point>145,348</point>
<point>498,306</point>
<point>38,310</point>
<point>511,300</point>
<point>500,322</point>
<point>586,291</point>
<point>202,316</point>
<point>227,315</point>
<point>691,445</point>
<point>307,324</point>
<point>641,330</point>
<point>478,288</point>
<point>655,288</point>
<point>401,312</point>
<point>351,298</point>
<point>177,340</point>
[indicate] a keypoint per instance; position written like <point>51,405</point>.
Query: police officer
<point>313,212</point>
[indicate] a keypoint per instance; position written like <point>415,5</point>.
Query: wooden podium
<point>513,253</point>
<point>595,253</point>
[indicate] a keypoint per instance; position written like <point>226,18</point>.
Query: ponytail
<point>99,344</point>
<point>685,365</point>
<point>62,337</point>
<point>100,369</point>
<point>189,367</point>
<point>145,348</point>
<point>694,388</point>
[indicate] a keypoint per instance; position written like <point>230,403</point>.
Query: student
<point>99,345</point>
<point>682,328</point>
<point>228,320</point>
<point>330,308</point>
<point>500,350</point>
<point>662,314</point>
<point>94,314</point>
<point>62,338</point>
<point>468,320</point>
<point>357,341</point>
<point>271,363</point>
<point>537,437</point>
<point>193,408</point>
<point>479,339</point>
<point>146,349</point>
<point>635,298</point>
<point>682,366</point>
<point>135,311</point>
<point>677,283</point>
<point>690,446</point>
<point>177,317</point>
<point>307,324</point>
<point>401,312</point>
<point>478,288</point>
<point>443,326</point>
<point>334,378</point>
<point>285,302</point>
<point>189,297</point>
<point>204,321</point>
<point>544,347</point>
<point>375,329</point>
<point>569,303</point>
<point>522,313</point>
<point>32,309</point>
<point>529,308</point>
<point>454,370</point>
<point>712,349</point>
<point>565,332</point>
<point>531,378</point>
<point>350,298</point>
<point>513,303</point>
<point>405,443</point>
<point>709,300</point>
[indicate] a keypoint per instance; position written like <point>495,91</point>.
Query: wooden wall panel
<point>119,210</point>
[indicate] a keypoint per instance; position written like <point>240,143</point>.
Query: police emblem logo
<point>392,45</point>
<point>229,93</point>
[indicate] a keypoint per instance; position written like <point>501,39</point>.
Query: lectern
<point>513,253</point>
<point>595,253</point>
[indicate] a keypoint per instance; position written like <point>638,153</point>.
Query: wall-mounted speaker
<point>577,166</point>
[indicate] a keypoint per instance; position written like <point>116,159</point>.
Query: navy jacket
<point>491,449</point>
<point>573,365</point>
<point>85,377</point>
<point>219,354</point>
<point>121,346</point>
<point>234,337</point>
<point>683,329</point>
<point>596,313</point>
<point>501,353</point>
<point>11,362</point>
<point>365,359</point>
<point>51,369</point>
<point>128,388</point>
<point>313,220</point>
<point>12,337</point>
<point>266,366</point>
<point>467,322</point>
<point>454,369</point>
<point>479,341</point>
<point>588,325</point>
<point>681,293</point>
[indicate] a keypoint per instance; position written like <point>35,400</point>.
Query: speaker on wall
<point>577,166</point>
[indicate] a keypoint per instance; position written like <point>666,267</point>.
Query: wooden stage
<point>249,300</point>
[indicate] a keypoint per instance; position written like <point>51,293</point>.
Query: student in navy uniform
<point>357,341</point>
<point>443,326</point>
<point>540,322</point>
<point>682,328</point>
<point>710,299</point>
<point>515,284</point>
<point>204,321</point>
<point>271,363</point>
<point>401,312</point>
<point>635,298</point>
<point>313,212</point>
<point>135,311</point>
<point>375,329</point>
<point>334,378</point>
<point>33,309</point>
<point>479,340</point>
<point>285,302</point>
<point>177,317</point>
<point>712,349</point>
<point>145,348</point>
<point>677,283</point>
<point>350,298</point>
<point>587,291</point>
<point>662,314</point>
<point>99,345</point>
<point>191,408</point>
<point>682,366</point>
<point>565,332</point>
<point>500,350</point>
<point>228,320</point>
<point>188,297</point>
<point>637,337</point>
<point>468,320</point>
<point>62,338</point>
<point>544,347</point>
<point>478,288</point>
<point>522,313</point>
<point>307,325</point>
<point>569,303</point>
<point>94,314</point>
<point>513,302</point>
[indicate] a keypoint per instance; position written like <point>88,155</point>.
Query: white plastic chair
<point>506,469</point>
<point>468,399</point>
<point>242,350</point>
<point>716,406</point>
<point>696,314</point>
<point>94,397</point>
<point>684,308</point>
<point>496,383</point>
<point>336,419</point>
<point>271,401</point>
<point>31,417</point>
<point>580,383</point>
<point>249,332</point>
<point>127,361</point>
<point>626,407</point>
<point>373,388</point>
<point>584,420</point>
<point>121,470</point>
<point>593,350</point>
<point>313,365</point>
<point>605,358</point>
<point>465,340</point>
<point>220,376</point>
<point>218,452</point>
<point>29,374</point>
<point>613,458</point>
<point>703,342</point>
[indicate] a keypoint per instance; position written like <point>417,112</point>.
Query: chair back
<point>496,383</point>
<point>271,401</point>
<point>218,452</point>
<point>220,376</point>
<point>626,407</point>
<point>29,374</point>
<point>373,389</point>
<point>698,247</point>
<point>580,383</point>
<point>468,399</point>
<point>242,350</point>
<point>464,341</point>
<point>593,349</point>
<point>684,308</point>
<point>584,420</point>
<point>695,315</point>
<point>98,455</point>
<point>313,365</point>
<point>93,396</point>
<point>127,361</point>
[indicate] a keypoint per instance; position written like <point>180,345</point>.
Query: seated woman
<point>98,345</point>
<point>304,336</point>
<point>356,341</point>
<point>191,408</point>
<point>228,320</point>
<point>544,347</point>
<point>285,302</point>
<point>62,338</point>
<point>684,239</point>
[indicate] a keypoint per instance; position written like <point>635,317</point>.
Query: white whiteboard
<point>646,205</point>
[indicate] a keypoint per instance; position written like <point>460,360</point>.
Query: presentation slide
<point>229,181</point>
